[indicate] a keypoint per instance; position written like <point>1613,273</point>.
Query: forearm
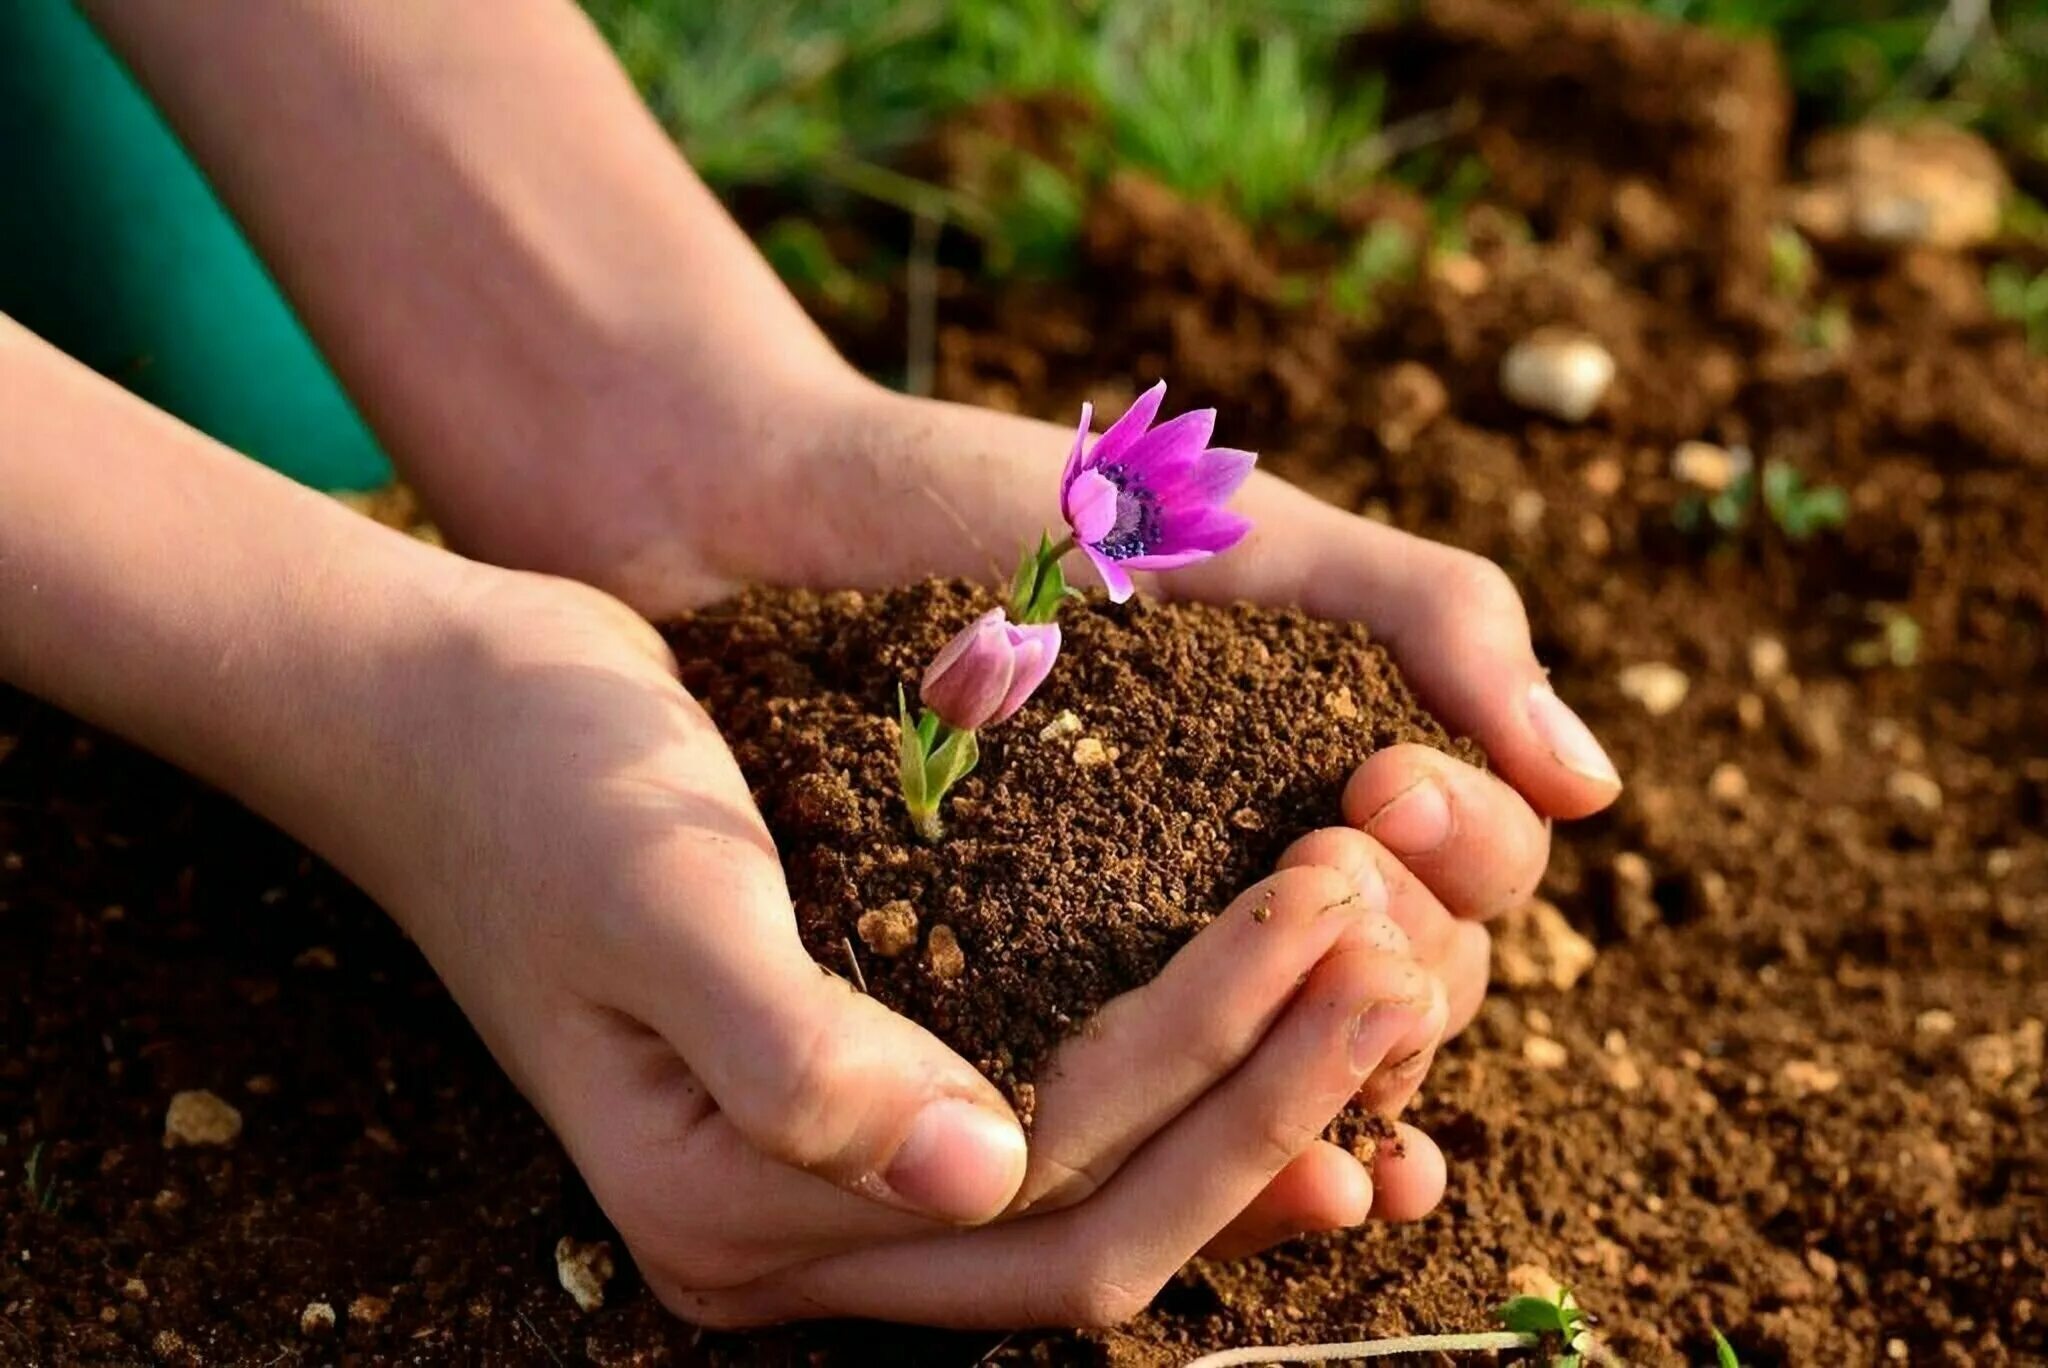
<point>174,592</point>
<point>512,271</point>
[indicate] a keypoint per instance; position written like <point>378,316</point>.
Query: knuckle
<point>1099,1300</point>
<point>1062,1184</point>
<point>792,1108</point>
<point>1283,1134</point>
<point>1477,584</point>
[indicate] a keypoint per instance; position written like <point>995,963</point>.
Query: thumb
<point>813,1072</point>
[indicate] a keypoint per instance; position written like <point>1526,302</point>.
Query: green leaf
<point>1543,1315</point>
<point>1051,592</point>
<point>1024,583</point>
<point>952,760</point>
<point>910,760</point>
<point>1724,1352</point>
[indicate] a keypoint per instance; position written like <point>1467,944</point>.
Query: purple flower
<point>984,674</point>
<point>1151,498</point>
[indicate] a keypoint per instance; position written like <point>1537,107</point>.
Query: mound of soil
<point>1173,754</point>
<point>1798,1095</point>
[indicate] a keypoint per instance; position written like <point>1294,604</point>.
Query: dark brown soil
<point>1803,1094</point>
<point>1173,754</point>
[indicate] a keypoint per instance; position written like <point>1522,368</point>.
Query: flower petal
<point>1200,529</point>
<point>1114,445</point>
<point>971,675</point>
<point>1221,472</point>
<point>1091,507</point>
<point>1114,577</point>
<point>1170,561</point>
<point>1076,462</point>
<point>1035,648</point>
<point>1169,450</point>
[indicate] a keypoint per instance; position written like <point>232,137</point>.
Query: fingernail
<point>1414,821</point>
<point>1381,1027</point>
<point>960,1162</point>
<point>1569,739</point>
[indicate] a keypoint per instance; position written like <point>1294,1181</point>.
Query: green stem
<point>1368,1349</point>
<point>1029,601</point>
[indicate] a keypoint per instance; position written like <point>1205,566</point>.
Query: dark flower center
<point>1137,516</point>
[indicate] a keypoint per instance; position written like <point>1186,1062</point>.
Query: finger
<point>817,1076</point>
<point>1453,620</point>
<point>1455,951</point>
<point>1152,1052</point>
<point>1394,1084</point>
<point>1101,1261</point>
<point>1408,1176</point>
<point>1325,1188</point>
<point>1467,835</point>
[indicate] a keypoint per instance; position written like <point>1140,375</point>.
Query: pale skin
<point>617,413</point>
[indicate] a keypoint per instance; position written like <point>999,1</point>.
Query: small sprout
<point>1724,1352</point>
<point>1897,642</point>
<point>1385,255</point>
<point>929,764</point>
<point>1554,1327</point>
<point>1791,262</point>
<point>2021,298</point>
<point>40,1182</point>
<point>1827,328</point>
<point>1798,511</point>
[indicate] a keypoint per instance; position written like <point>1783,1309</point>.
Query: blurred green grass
<point>1236,100</point>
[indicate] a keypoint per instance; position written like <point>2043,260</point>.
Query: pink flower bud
<point>985,674</point>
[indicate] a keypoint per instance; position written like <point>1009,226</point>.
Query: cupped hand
<point>857,486</point>
<point>570,843</point>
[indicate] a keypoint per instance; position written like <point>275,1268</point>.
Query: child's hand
<point>575,851</point>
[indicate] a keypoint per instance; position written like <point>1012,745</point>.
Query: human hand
<point>576,853</point>
<point>854,486</point>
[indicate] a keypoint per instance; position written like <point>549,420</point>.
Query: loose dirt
<point>1797,1095</point>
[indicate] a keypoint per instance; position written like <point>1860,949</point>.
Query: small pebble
<point>1526,508</point>
<point>1065,725</point>
<point>943,954</point>
<point>1707,467</point>
<point>1913,790</point>
<point>1534,945</point>
<point>1533,1280</point>
<point>368,1310</point>
<point>1544,1053</point>
<point>1768,659</point>
<point>583,1268</point>
<point>1935,1021</point>
<point>890,929</point>
<point>1557,372</point>
<point>317,1320</point>
<point>1603,475</point>
<point>199,1117</point>
<point>1460,272</point>
<point>1728,785</point>
<point>1806,1077</point>
<point>1658,687</point>
<point>1090,752</point>
<point>1341,703</point>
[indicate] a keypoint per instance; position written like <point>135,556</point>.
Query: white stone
<point>1658,687</point>
<point>583,1269</point>
<point>1560,373</point>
